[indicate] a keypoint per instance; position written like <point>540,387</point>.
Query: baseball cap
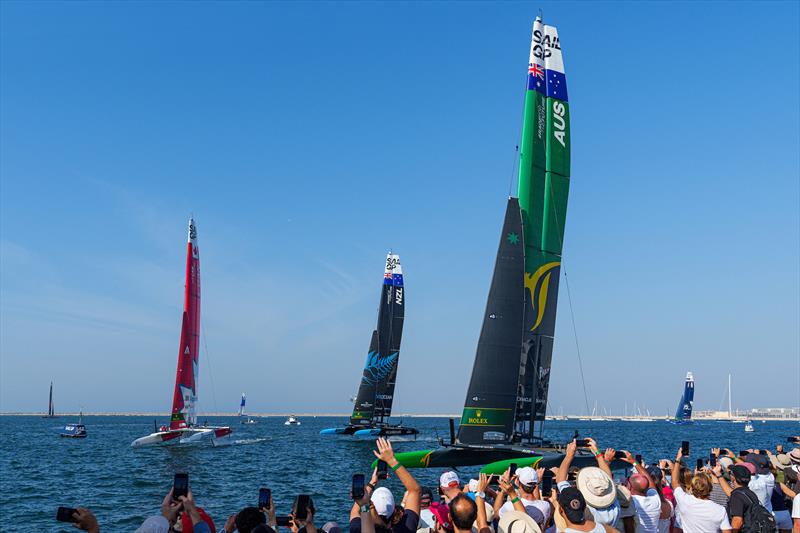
<point>442,514</point>
<point>527,476</point>
<point>741,474</point>
<point>749,466</point>
<point>574,506</point>
<point>449,479</point>
<point>473,485</point>
<point>383,500</point>
<point>761,462</point>
<point>725,462</point>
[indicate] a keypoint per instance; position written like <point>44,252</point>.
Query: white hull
<point>184,436</point>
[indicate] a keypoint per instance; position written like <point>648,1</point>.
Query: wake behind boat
<point>373,404</point>
<point>183,426</point>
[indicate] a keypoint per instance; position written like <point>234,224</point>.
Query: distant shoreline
<point>572,418</point>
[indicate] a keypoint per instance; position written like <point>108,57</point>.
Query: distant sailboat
<point>683,415</point>
<point>373,404</point>
<point>243,418</point>
<point>51,410</point>
<point>183,427</point>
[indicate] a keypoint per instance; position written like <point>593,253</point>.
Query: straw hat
<point>597,488</point>
<point>517,522</point>
<point>794,456</point>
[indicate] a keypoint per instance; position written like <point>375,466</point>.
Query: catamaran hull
<point>497,459</point>
<point>184,436</point>
<point>372,432</point>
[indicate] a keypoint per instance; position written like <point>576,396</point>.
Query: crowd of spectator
<point>752,491</point>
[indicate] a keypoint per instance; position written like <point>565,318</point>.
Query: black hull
<point>372,431</point>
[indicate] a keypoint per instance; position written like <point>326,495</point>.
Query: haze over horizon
<point>308,139</point>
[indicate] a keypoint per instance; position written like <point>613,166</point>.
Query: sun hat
<point>441,512</point>
<point>517,522</point>
<point>186,521</point>
<point>596,487</point>
<point>383,500</point>
<point>741,474</point>
<point>573,504</point>
<point>527,476</point>
<point>749,466</point>
<point>449,479</point>
<point>725,462</point>
<point>794,456</point>
<point>623,496</point>
<point>782,460</point>
<point>154,524</point>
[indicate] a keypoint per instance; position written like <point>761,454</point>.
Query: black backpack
<point>757,519</point>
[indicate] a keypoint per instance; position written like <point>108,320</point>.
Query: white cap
<point>449,479</point>
<point>383,501</point>
<point>527,476</point>
<point>473,485</point>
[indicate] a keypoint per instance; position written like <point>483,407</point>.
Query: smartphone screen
<point>513,468</point>
<point>264,496</point>
<point>547,483</point>
<point>712,460</point>
<point>283,521</point>
<point>301,506</point>
<point>638,458</point>
<point>700,464</point>
<point>494,479</point>
<point>64,514</point>
<point>180,486</point>
<point>383,470</point>
<point>581,443</point>
<point>619,455</point>
<point>358,486</point>
<point>685,448</point>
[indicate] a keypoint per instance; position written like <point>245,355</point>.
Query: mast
<point>730,393</point>
<point>241,406</point>
<point>543,187</point>
<point>184,399</point>
<point>376,391</point>
<point>491,403</point>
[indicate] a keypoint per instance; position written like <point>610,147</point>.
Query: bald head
<point>463,511</point>
<point>638,484</point>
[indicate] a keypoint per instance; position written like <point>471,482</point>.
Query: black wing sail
<point>365,399</point>
<point>489,410</point>
<point>390,333</point>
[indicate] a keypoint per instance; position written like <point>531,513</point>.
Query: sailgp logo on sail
<point>543,44</point>
<point>538,285</point>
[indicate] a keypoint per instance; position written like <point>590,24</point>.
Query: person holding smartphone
<point>524,486</point>
<point>381,500</point>
<point>696,511</point>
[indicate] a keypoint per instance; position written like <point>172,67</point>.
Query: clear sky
<point>310,138</point>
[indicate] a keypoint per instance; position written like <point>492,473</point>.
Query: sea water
<point>40,471</point>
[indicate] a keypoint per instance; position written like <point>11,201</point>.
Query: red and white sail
<point>184,400</point>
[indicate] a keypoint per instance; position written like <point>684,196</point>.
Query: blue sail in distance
<point>684,412</point>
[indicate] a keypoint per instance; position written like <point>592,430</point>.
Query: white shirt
<point>426,519</point>
<point>763,485</point>
<point>648,509</point>
<point>700,516</point>
<point>796,507</point>
<point>531,507</point>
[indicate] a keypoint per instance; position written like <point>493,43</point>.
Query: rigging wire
<point>569,300</point>
<point>521,124</point>
<point>210,372</point>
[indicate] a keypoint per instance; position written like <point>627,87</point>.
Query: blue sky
<point>310,138</point>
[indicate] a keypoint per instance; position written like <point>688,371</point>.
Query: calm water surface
<point>40,471</point>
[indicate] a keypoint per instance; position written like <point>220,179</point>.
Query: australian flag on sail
<point>546,66</point>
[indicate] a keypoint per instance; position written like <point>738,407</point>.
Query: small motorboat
<point>748,427</point>
<point>248,421</point>
<point>292,421</point>
<point>75,431</point>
